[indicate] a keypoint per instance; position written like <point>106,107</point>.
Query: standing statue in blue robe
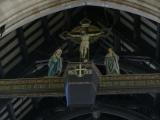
<point>111,63</point>
<point>55,63</point>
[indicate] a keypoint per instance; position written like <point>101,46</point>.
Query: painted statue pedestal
<point>81,82</point>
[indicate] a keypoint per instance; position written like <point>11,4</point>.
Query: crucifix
<point>84,35</point>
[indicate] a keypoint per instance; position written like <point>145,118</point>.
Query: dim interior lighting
<point>2,29</point>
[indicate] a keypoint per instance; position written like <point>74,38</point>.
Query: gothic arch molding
<point>21,12</point>
<point>105,109</point>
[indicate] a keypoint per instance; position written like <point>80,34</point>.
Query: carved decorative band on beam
<point>126,84</point>
<point>118,84</point>
<point>32,87</point>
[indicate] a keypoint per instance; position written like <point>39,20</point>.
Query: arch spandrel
<point>16,13</point>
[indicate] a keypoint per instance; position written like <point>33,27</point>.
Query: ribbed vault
<point>16,13</point>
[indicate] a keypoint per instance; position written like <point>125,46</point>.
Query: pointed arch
<point>16,13</point>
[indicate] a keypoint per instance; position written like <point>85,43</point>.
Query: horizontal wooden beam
<point>130,84</point>
<point>54,86</point>
<point>32,87</point>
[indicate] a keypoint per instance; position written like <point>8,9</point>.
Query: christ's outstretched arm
<point>95,34</point>
<point>71,35</point>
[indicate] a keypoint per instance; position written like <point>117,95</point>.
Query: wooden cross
<point>80,70</point>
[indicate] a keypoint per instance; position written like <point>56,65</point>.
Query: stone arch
<point>106,109</point>
<point>21,12</point>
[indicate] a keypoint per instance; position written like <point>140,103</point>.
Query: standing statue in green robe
<point>55,63</point>
<point>111,62</point>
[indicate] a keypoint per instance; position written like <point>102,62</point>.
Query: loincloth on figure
<point>84,45</point>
